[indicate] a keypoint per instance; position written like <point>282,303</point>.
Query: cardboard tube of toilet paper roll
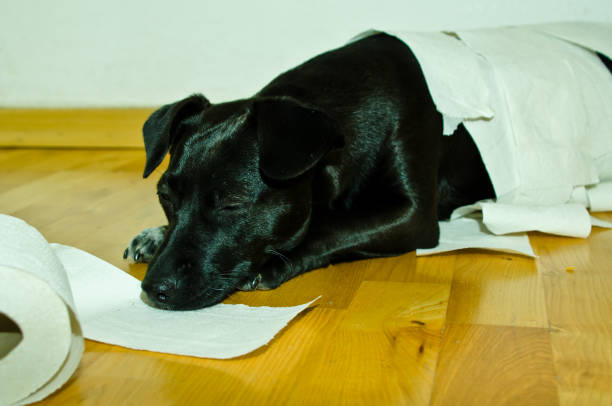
<point>41,342</point>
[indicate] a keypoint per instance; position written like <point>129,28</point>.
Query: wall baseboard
<point>72,128</point>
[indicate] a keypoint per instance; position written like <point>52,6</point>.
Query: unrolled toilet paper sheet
<point>57,295</point>
<point>110,310</point>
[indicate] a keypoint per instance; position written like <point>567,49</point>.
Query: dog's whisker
<point>283,257</point>
<point>227,278</point>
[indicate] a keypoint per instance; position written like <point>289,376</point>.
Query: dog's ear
<point>292,137</point>
<point>160,130</point>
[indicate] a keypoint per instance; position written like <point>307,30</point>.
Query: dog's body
<point>341,158</point>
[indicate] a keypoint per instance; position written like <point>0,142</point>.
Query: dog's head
<point>237,188</point>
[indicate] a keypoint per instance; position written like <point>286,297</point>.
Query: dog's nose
<point>160,292</point>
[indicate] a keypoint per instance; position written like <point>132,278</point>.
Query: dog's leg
<point>407,221</point>
<point>144,245</point>
<point>345,238</point>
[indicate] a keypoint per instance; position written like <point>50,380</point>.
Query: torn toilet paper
<point>537,101</point>
<point>470,232</point>
<point>57,295</point>
<point>490,226</point>
<point>570,220</point>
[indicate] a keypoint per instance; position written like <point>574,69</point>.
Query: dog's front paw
<point>144,245</point>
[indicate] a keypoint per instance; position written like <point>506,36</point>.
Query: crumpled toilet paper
<point>56,295</point>
<point>536,99</point>
<point>570,220</point>
<point>491,226</point>
<point>538,103</point>
<point>599,197</point>
<point>496,226</point>
<point>470,232</point>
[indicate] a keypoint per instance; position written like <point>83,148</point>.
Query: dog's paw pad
<point>143,247</point>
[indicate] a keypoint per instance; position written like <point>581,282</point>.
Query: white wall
<point>79,53</point>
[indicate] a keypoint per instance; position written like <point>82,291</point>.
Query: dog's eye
<point>163,196</point>
<point>235,206</point>
<point>226,202</point>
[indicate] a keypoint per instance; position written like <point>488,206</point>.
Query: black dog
<point>339,159</point>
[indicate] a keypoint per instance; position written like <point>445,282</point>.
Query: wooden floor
<point>471,328</point>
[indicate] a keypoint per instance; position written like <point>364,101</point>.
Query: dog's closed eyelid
<point>232,206</point>
<point>165,197</point>
<point>227,203</point>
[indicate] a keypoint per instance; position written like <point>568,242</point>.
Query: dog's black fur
<point>339,159</point>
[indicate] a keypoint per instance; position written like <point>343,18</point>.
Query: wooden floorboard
<point>471,328</point>
<point>65,128</point>
<point>495,365</point>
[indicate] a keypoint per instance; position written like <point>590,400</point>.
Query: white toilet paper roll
<point>36,297</point>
